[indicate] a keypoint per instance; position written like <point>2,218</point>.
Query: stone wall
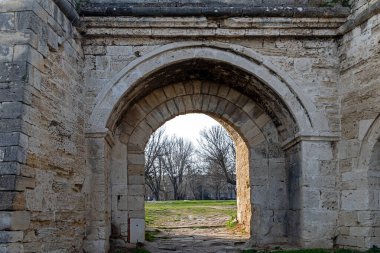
<point>42,153</point>
<point>312,63</point>
<point>359,91</point>
<point>15,178</point>
<point>54,184</point>
<point>360,6</point>
<point>315,199</point>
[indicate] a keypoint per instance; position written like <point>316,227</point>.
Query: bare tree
<point>218,151</point>
<point>154,152</point>
<point>177,160</point>
<point>174,159</point>
<point>216,179</point>
<point>195,179</point>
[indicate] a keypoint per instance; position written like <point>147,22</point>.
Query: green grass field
<point>158,213</point>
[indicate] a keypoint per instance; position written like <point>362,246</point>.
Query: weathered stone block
<point>136,190</point>
<point>95,246</point>
<point>10,110</point>
<point>124,228</point>
<point>96,50</point>
<point>355,200</point>
<point>122,203</point>
<point>52,40</point>
<point>13,71</point>
<point>12,201</point>
<point>8,125</point>
<point>10,139</point>
<point>329,200</point>
<point>318,217</point>
<point>6,53</point>
<point>311,198</point>
<point>368,218</point>
<point>102,62</point>
<point>136,180</point>
<point>348,149</point>
<point>9,168</point>
<point>14,93</point>
<point>348,218</point>
<point>11,248</point>
<point>12,154</point>
<point>136,159</point>
<point>18,220</point>
<point>361,231</point>
<point>137,214</point>
<point>11,236</point>
<point>135,203</point>
<point>7,182</point>
<point>7,21</point>
<point>351,241</point>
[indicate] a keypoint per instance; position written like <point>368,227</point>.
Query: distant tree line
<point>177,169</point>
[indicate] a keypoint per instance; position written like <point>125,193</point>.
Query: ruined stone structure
<point>83,85</point>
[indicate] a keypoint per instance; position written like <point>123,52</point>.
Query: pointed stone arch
<point>368,143</point>
<point>362,199</point>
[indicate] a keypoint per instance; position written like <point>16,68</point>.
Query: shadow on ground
<point>216,239</point>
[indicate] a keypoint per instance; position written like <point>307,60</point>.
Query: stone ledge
<point>120,9</point>
<point>206,27</point>
<point>203,22</point>
<point>203,3</point>
<point>99,134</point>
<point>298,138</point>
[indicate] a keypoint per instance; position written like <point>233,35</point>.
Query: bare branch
<point>177,160</point>
<point>153,168</point>
<point>218,151</point>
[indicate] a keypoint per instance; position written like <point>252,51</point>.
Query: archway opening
<point>192,183</point>
<point>279,124</point>
<point>264,182</point>
<point>248,94</point>
<point>208,148</point>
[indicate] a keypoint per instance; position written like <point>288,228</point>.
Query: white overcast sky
<point>189,125</point>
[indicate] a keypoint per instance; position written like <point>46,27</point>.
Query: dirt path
<point>197,234</point>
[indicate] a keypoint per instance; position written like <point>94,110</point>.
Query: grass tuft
<point>150,236</point>
<point>232,222</point>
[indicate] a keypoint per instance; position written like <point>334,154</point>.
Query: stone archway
<point>280,127</point>
<point>108,108</point>
<point>368,144</point>
<point>254,134</point>
<point>361,197</point>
